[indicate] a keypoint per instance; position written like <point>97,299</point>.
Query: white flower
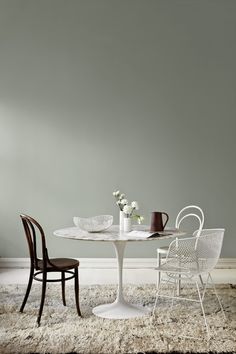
<point>134,205</point>
<point>116,193</point>
<point>124,201</point>
<point>140,219</point>
<point>127,209</point>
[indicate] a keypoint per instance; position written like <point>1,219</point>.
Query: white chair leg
<point>168,312</point>
<point>178,285</point>
<point>158,273</point>
<point>179,281</point>
<point>204,287</point>
<point>157,295</point>
<point>200,277</point>
<point>203,312</point>
<point>173,295</point>
<point>222,310</point>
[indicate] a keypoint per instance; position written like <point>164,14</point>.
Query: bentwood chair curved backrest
<point>41,265</point>
<point>188,212</point>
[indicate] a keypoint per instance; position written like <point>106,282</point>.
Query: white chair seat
<point>163,250</point>
<point>193,266</point>
<point>171,269</point>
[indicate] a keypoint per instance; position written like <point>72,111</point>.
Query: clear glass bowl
<point>93,224</point>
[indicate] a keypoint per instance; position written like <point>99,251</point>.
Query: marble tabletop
<point>114,234</point>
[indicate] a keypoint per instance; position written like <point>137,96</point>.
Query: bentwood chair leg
<point>44,285</point>
<point>77,291</point>
<point>63,288</point>
<point>28,288</point>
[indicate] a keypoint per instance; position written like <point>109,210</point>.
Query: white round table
<point>120,308</point>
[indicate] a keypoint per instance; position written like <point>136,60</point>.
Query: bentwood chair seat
<point>41,266</point>
<point>59,264</point>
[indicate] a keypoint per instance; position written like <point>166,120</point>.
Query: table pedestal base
<point>120,310</point>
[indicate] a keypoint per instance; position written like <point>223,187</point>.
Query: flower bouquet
<point>126,211</point>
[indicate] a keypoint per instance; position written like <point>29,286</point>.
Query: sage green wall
<point>97,95</point>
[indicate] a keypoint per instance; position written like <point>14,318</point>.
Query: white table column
<point>120,308</point>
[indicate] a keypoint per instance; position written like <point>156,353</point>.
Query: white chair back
<point>196,258</point>
<point>206,232</point>
<point>196,212</point>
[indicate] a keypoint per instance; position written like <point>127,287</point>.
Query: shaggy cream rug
<point>62,331</point>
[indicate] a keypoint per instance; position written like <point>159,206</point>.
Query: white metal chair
<point>190,258</point>
<point>205,232</point>
<point>192,211</point>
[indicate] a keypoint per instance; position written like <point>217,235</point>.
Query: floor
<point>109,276</point>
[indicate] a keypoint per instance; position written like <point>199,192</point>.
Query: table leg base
<point>120,310</point>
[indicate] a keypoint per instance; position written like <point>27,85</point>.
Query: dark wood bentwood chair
<point>45,265</point>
